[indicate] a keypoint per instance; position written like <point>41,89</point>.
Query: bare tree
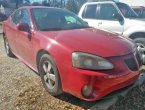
<point>80,3</point>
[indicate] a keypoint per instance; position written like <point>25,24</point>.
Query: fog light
<point>87,91</point>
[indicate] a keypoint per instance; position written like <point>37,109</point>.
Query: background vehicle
<point>8,6</point>
<point>140,10</point>
<point>115,16</point>
<point>88,64</point>
<point>2,17</point>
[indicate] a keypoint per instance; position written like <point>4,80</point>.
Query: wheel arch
<point>137,35</point>
<point>39,54</point>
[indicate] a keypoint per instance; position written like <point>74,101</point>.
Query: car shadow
<point>76,101</point>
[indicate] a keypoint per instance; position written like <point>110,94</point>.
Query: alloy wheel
<point>49,76</point>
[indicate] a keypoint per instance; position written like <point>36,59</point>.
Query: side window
<point>107,12</point>
<point>90,12</point>
<point>143,14</point>
<point>25,17</point>
<point>15,17</point>
<point>20,16</point>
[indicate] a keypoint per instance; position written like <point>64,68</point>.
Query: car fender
<point>134,29</point>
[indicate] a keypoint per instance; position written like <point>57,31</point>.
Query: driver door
<point>107,19</point>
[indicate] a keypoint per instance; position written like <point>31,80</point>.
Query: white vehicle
<point>114,16</point>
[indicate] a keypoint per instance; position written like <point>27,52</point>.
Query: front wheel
<point>49,75</point>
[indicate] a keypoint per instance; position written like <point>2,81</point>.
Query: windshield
<point>126,10</point>
<point>56,19</point>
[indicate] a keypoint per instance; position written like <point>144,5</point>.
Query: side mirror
<point>86,22</point>
<point>118,17</point>
<point>23,27</point>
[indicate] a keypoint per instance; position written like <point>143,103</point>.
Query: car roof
<point>33,7</point>
<point>138,7</point>
<point>100,0</point>
<point>103,1</point>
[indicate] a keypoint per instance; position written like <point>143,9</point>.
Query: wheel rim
<point>140,45</point>
<point>6,46</point>
<point>49,76</point>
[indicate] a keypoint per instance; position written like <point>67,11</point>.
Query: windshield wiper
<point>80,27</point>
<point>51,29</point>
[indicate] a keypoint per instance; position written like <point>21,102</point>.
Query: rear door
<point>11,31</point>
<point>90,15</point>
<point>23,41</point>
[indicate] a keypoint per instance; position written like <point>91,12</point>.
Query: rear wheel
<point>49,75</point>
<point>7,48</point>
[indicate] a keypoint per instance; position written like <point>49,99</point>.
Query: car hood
<point>94,41</point>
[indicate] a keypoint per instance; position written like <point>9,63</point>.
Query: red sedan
<point>69,55</point>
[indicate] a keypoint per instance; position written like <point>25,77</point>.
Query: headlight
<point>90,62</point>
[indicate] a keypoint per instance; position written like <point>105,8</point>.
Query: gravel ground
<point>135,100</point>
<point>21,89</point>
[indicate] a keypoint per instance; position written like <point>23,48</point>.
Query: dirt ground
<point>21,89</point>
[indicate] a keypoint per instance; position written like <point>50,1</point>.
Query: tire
<point>141,46</point>
<point>7,48</point>
<point>49,75</point>
<point>140,42</point>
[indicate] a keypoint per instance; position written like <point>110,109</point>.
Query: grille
<point>131,63</point>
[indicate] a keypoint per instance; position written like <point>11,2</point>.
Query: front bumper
<point>103,85</point>
<point>102,82</point>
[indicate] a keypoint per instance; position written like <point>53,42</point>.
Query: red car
<point>140,11</point>
<point>69,55</point>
